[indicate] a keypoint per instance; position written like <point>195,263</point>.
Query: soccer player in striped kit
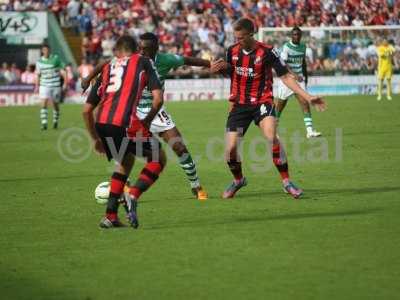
<point>118,132</point>
<point>294,55</point>
<point>49,70</point>
<point>163,124</point>
<point>249,65</point>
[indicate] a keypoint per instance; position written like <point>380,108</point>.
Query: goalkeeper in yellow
<point>385,54</point>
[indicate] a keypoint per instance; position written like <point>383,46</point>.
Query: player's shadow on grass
<point>263,218</point>
<point>313,193</point>
<point>52,178</point>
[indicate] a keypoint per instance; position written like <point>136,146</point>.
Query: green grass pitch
<point>341,241</point>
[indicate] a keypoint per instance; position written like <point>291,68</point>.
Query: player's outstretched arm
<point>220,66</point>
<point>292,84</point>
<point>155,86</point>
<point>92,101</point>
<point>97,70</point>
<point>196,62</point>
<point>158,101</point>
<point>37,82</point>
<point>87,114</point>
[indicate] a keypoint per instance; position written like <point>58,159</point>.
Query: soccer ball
<point>102,192</point>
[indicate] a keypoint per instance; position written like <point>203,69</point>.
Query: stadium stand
<point>203,28</point>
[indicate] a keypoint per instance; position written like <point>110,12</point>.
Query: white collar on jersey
<point>247,52</point>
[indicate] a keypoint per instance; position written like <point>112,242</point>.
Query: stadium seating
<point>203,28</point>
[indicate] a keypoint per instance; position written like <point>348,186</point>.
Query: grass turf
<point>341,241</point>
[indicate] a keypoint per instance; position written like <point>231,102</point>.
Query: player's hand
<point>85,83</point>
<point>218,65</point>
<point>318,103</point>
<point>36,90</point>
<point>98,146</point>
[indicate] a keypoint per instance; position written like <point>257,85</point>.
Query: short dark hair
<point>244,23</point>
<point>45,45</point>
<point>149,36</point>
<point>296,28</point>
<point>127,43</point>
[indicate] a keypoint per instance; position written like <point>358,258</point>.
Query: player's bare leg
<point>174,139</point>
<point>56,114</point>
<point>389,88</point>
<point>233,160</point>
<point>305,107</point>
<point>268,128</point>
<point>279,107</point>
<point>43,114</point>
<point>380,86</point>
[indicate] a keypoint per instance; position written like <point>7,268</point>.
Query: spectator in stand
<point>29,75</point>
<point>198,27</point>
<point>73,8</point>
<point>95,46</point>
<point>107,45</point>
<point>357,21</point>
<point>85,22</point>
<point>15,74</point>
<point>3,69</point>
<point>85,47</point>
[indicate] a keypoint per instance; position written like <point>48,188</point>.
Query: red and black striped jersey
<point>251,73</point>
<point>119,87</point>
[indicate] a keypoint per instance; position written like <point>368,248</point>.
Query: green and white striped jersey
<point>294,55</point>
<point>164,62</point>
<point>49,71</point>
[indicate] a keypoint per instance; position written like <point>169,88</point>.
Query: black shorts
<point>241,115</point>
<point>117,142</point>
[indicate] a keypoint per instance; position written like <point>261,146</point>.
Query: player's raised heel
<point>200,193</point>
<point>106,223</point>
<point>232,189</point>
<point>294,191</point>
<point>131,206</point>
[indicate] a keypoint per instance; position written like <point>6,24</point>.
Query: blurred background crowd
<point>204,29</point>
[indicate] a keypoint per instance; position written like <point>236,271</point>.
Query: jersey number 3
<point>116,74</point>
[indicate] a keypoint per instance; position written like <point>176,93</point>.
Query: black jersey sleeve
<point>274,61</point>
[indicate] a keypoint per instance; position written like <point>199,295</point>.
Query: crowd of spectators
<point>204,28</point>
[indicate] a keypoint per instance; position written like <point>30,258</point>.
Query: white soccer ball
<point>102,192</point>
